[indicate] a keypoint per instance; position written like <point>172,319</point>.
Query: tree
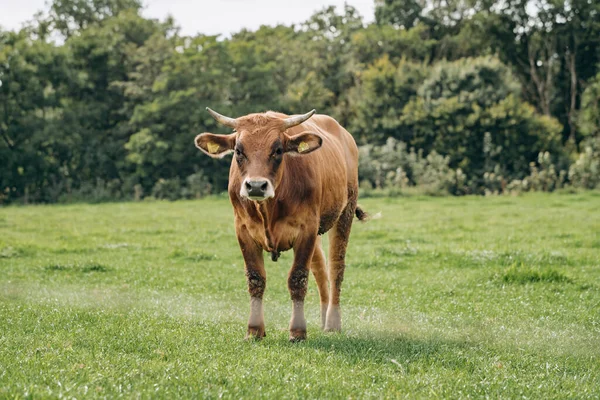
<point>553,48</point>
<point>34,155</point>
<point>589,118</point>
<point>111,110</point>
<point>400,13</point>
<point>70,16</point>
<point>470,111</point>
<point>188,74</point>
<point>98,111</point>
<point>371,43</point>
<point>329,38</point>
<point>384,90</point>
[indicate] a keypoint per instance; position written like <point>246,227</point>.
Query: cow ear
<point>216,146</point>
<point>303,143</point>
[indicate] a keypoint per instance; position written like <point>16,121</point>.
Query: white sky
<point>206,16</point>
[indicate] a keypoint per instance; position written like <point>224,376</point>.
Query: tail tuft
<point>361,215</point>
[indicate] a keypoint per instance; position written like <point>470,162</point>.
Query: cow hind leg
<point>319,270</point>
<point>338,242</point>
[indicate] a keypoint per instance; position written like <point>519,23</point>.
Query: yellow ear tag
<point>302,147</point>
<point>212,147</point>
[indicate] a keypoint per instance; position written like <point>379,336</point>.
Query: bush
<point>493,182</point>
<point>94,192</point>
<point>470,111</point>
<point>391,169</point>
<point>391,166</point>
<point>167,189</point>
<point>589,114</point>
<point>197,186</point>
<point>543,177</point>
<point>385,88</point>
<point>585,172</point>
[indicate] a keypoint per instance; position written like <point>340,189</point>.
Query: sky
<point>205,16</point>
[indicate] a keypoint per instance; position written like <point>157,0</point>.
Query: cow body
<point>288,185</point>
<point>314,190</point>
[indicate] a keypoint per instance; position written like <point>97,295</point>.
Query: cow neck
<point>263,211</point>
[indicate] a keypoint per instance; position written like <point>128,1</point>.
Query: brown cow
<point>291,180</point>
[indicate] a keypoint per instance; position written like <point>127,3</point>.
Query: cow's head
<point>260,143</point>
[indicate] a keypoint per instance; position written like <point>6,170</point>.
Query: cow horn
<point>297,120</point>
<point>230,122</point>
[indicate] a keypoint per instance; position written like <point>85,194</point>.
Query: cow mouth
<point>259,198</point>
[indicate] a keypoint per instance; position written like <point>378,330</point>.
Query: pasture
<point>442,297</point>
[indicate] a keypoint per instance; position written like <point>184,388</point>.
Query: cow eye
<point>278,152</point>
<point>238,152</point>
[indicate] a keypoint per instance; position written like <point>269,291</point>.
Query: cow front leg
<point>298,283</point>
<point>257,282</point>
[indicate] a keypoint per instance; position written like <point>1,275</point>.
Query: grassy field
<point>443,297</point>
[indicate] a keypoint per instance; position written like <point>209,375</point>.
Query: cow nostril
<point>248,185</point>
<point>263,187</point>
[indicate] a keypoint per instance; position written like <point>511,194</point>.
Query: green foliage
<point>542,177</point>
<point>552,51</point>
<point>469,111</point>
<point>71,16</point>
<point>370,43</point>
<point>307,94</point>
<point>95,192</point>
<point>392,166</point>
<point>589,115</point>
<point>34,151</point>
<point>585,171</point>
<point>167,189</point>
<point>195,186</point>
<point>398,13</point>
<point>112,107</point>
<point>379,100</point>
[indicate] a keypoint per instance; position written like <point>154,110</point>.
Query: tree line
<point>467,96</point>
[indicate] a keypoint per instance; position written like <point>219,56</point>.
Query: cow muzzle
<point>257,189</point>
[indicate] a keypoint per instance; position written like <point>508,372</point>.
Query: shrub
<point>197,186</point>
<point>470,110</point>
<point>391,166</point>
<point>585,172</point>
<point>95,192</point>
<point>589,114</point>
<point>493,182</point>
<point>543,176</point>
<point>167,189</point>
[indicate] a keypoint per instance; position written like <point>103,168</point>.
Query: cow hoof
<point>333,326</point>
<point>255,332</point>
<point>333,322</point>
<point>297,335</point>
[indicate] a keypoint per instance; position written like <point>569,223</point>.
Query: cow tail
<point>361,214</point>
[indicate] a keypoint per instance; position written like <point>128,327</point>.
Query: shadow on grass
<point>82,268</point>
<point>395,351</point>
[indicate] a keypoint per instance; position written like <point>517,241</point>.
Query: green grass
<point>443,297</point>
